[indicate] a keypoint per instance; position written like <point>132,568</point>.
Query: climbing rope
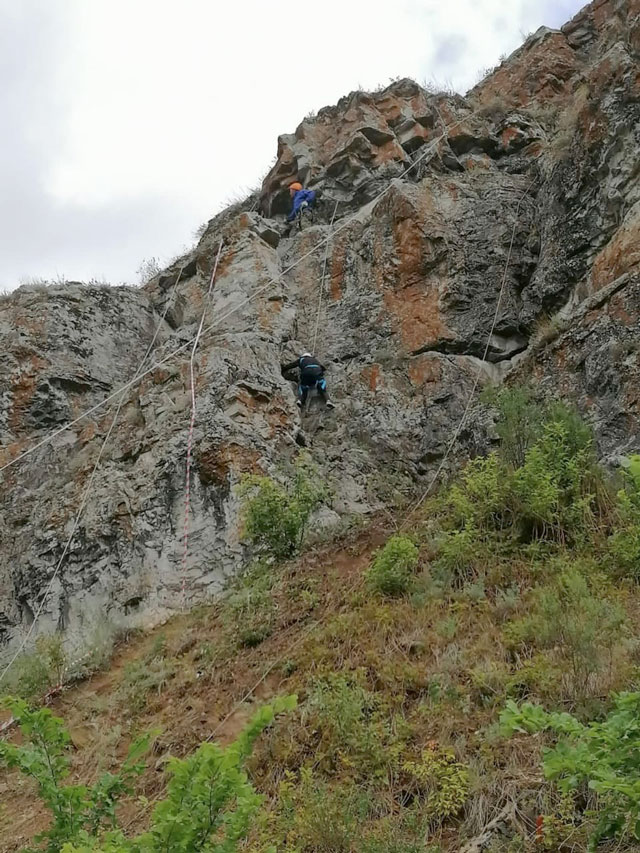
<point>187,494</point>
<point>185,346</point>
<point>324,273</point>
<point>471,396</point>
<point>86,492</point>
<point>140,374</point>
<point>195,342</point>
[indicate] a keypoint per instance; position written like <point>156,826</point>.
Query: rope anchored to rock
<point>192,420</point>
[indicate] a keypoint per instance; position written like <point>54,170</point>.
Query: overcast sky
<point>127,123</point>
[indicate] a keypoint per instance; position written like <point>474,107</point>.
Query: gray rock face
<point>530,200</point>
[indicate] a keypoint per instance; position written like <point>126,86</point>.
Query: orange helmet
<point>295,186</point>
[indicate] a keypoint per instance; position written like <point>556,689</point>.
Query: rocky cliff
<point>522,196</point>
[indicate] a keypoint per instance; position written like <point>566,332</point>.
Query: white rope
<point>324,273</point>
<point>221,319</point>
<point>187,493</point>
<point>471,396</point>
<point>85,495</point>
<point>141,374</point>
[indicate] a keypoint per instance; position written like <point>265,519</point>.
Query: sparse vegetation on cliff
<point>517,585</point>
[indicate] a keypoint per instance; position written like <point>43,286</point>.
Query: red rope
<point>187,491</point>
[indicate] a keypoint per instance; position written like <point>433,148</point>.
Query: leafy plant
<point>352,727</point>
<point>567,615</point>
<point>250,608</point>
<point>559,487</point>
<point>602,757</point>
<point>550,489</point>
<point>390,573</point>
<point>480,500</point>
<point>625,541</point>
<point>519,421</point>
<point>441,780</point>
<point>77,810</point>
<point>276,516</point>
<point>475,509</point>
<point>315,818</point>
<point>210,802</point>
<point>36,672</point>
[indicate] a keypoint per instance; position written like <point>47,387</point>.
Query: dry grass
<point>568,123</point>
<point>547,328</point>
<point>436,669</point>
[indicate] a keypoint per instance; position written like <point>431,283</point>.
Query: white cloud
<point>131,121</point>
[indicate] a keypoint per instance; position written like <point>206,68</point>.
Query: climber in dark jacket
<point>311,375</point>
<point>300,197</point>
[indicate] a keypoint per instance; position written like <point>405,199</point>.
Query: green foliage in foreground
<point>600,757</point>
<point>210,802</point>
<point>78,811</point>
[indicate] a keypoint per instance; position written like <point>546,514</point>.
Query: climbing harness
<point>187,496</point>
<point>305,212</point>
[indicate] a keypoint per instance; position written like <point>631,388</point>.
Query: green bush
<point>390,573</point>
<point>567,616</point>
<point>481,499</point>
<point>558,494</point>
<point>602,757</point>
<point>78,811</point>
<point>276,516</point>
<point>519,421</point>
<point>36,672</point>
<point>249,608</point>
<point>624,543</point>
<point>209,808</point>
<point>441,781</point>
<point>560,488</point>
<point>475,509</point>
<point>350,724</point>
<point>316,818</point>
<point>538,676</point>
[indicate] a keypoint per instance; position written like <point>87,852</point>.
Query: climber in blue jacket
<point>301,197</point>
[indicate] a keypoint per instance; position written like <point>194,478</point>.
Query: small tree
<point>519,420</point>
<point>390,572</point>
<point>77,810</point>
<point>148,268</point>
<point>559,487</point>
<point>38,670</point>
<point>276,516</point>
<point>210,801</point>
<point>625,542</point>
